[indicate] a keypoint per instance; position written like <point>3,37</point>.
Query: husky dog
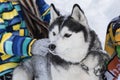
<point>74,51</point>
<point>71,40</point>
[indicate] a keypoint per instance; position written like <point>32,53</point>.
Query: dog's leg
<point>21,74</point>
<point>41,68</point>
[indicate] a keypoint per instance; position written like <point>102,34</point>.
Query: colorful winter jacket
<point>112,46</point>
<point>112,43</point>
<point>15,43</point>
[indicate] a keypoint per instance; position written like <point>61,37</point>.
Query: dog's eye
<point>67,35</point>
<point>54,33</point>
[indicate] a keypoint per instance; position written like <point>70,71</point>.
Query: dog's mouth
<point>55,52</point>
<point>52,52</point>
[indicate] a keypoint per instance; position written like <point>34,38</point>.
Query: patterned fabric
<point>44,10</point>
<point>6,77</point>
<point>112,43</point>
<point>112,46</point>
<point>14,46</point>
<point>15,43</point>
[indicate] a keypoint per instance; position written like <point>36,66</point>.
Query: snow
<point>98,12</point>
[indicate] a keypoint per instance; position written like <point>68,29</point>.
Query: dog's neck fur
<point>95,44</point>
<point>56,60</point>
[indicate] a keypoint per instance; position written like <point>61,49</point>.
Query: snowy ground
<point>98,12</point>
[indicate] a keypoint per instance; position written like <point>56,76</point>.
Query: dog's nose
<point>52,47</point>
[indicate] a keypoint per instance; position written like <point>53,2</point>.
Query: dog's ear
<point>53,13</point>
<point>78,14</point>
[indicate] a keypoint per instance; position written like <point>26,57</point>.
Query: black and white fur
<point>71,41</point>
<point>71,36</point>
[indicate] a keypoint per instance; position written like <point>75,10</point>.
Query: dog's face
<point>69,35</point>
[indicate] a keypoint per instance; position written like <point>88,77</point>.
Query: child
<point>112,46</point>
<point>15,43</point>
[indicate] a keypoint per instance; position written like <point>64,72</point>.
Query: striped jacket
<point>15,43</point>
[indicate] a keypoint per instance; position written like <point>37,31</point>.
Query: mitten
<point>40,47</point>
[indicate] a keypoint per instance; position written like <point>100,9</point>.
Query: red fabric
<point>114,67</point>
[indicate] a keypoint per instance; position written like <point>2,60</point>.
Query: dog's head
<point>95,62</point>
<point>69,35</point>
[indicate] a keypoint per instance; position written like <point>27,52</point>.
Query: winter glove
<point>40,47</point>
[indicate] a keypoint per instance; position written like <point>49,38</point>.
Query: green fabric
<point>118,51</point>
